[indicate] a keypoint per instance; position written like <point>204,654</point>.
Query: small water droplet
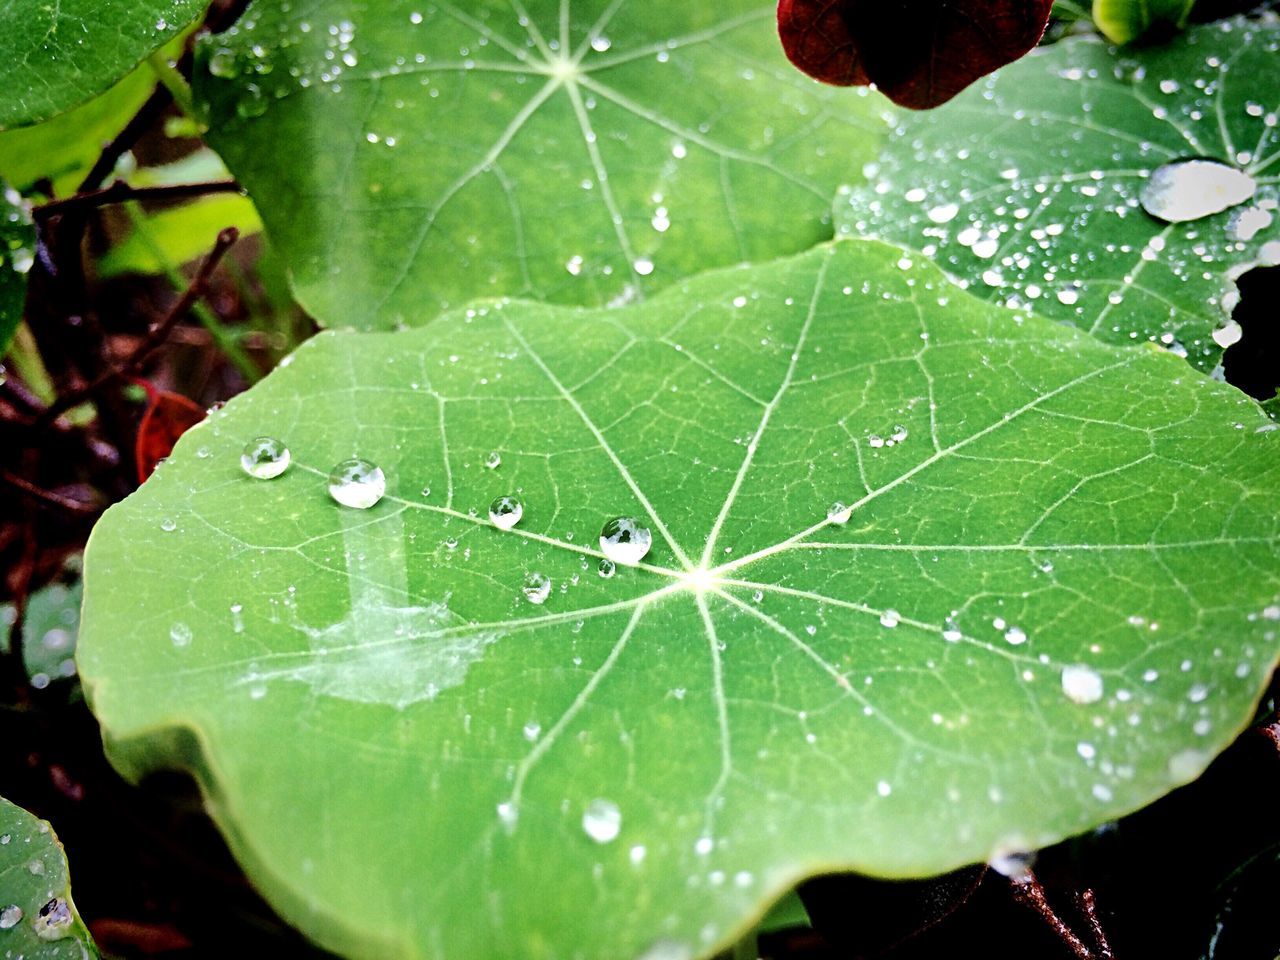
<point>531,730</point>
<point>624,541</point>
<point>265,458</point>
<point>357,483</point>
<point>1081,684</point>
<point>602,820</point>
<point>1016,864</point>
<point>505,512</point>
<point>1015,636</point>
<point>10,916</point>
<point>839,513</point>
<point>536,588</point>
<point>606,568</point>
<point>494,460</point>
<point>1191,189</point>
<point>890,618</point>
<point>168,525</point>
<point>180,634</point>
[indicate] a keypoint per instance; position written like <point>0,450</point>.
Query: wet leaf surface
<point>936,583</point>
<point>1032,187</point>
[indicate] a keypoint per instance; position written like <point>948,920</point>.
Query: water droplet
<point>1192,189</point>
<point>265,458</point>
<point>494,460</point>
<point>168,525</point>
<point>10,916</point>
<point>1081,684</point>
<point>54,920</point>
<point>602,820</point>
<point>180,634</point>
<point>252,102</point>
<point>890,618</point>
<point>531,730</point>
<point>505,512</point>
<point>667,950</point>
<point>950,632</point>
<point>536,588</point>
<point>223,64</point>
<point>1014,864</point>
<point>624,541</point>
<point>606,568</point>
<point>944,213</point>
<point>839,513</point>
<point>1015,636</point>
<point>357,483</point>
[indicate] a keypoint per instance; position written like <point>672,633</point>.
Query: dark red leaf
<point>168,416</point>
<point>919,53</point>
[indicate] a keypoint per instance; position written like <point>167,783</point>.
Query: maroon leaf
<point>919,53</point>
<point>168,416</point>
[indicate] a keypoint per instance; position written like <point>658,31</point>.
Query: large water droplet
<point>602,820</point>
<point>536,588</point>
<point>505,512</point>
<point>54,920</point>
<point>624,541</point>
<point>1081,684</point>
<point>1192,189</point>
<point>357,483</point>
<point>265,458</point>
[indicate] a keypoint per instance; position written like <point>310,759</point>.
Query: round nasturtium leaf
<point>1035,186</point>
<point>929,582</point>
<point>56,56</point>
<point>408,156</point>
<point>38,920</point>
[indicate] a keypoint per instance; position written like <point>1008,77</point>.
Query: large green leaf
<point>1052,601</point>
<point>38,921</point>
<point>56,56</point>
<point>17,253</point>
<point>1030,186</point>
<point>409,156</point>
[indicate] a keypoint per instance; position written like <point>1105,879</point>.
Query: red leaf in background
<point>168,416</point>
<point>919,53</point>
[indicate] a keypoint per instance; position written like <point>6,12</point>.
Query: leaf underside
<point>402,748</point>
<point>918,54</point>
<point>1028,186</point>
<point>56,56</point>
<point>407,157</point>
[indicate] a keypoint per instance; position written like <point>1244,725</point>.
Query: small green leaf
<point>1031,188</point>
<point>17,251</point>
<point>421,155</point>
<point>1124,21</point>
<point>38,921</point>
<point>56,56</point>
<point>1049,598</point>
<point>179,235</point>
<point>49,633</point>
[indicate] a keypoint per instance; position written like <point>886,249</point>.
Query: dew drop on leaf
<point>839,513</point>
<point>890,618</point>
<point>536,588</point>
<point>1081,684</point>
<point>10,916</point>
<point>265,458</point>
<point>357,483</point>
<point>607,568</point>
<point>1192,189</point>
<point>180,635</point>
<point>494,460</point>
<point>602,820</point>
<point>505,512</point>
<point>54,920</point>
<point>624,541</point>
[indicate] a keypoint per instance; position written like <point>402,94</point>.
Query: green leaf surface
<point>1052,601</point>
<point>63,149</point>
<point>56,56</point>
<point>411,156</point>
<point>38,920</point>
<point>1028,186</point>
<point>17,250</point>
<point>1123,21</point>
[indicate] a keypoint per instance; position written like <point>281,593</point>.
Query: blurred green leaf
<point>179,235</point>
<point>17,251</point>
<point>1123,21</point>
